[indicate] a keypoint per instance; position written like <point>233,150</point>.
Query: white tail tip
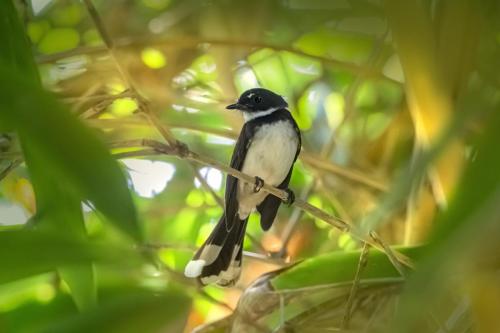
<point>194,267</point>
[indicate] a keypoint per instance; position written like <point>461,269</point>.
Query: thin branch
<point>13,164</point>
<point>183,152</point>
<point>10,154</point>
<point>310,159</point>
<point>391,254</point>
<point>294,220</point>
<point>206,186</point>
<point>110,46</point>
<point>363,259</point>
<point>322,164</point>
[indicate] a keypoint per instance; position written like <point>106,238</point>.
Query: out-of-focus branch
<point>193,42</point>
<point>13,164</point>
<point>352,175</point>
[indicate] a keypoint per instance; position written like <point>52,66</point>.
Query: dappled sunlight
<point>149,178</point>
<point>212,176</point>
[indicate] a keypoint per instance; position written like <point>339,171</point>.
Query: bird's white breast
<point>271,152</point>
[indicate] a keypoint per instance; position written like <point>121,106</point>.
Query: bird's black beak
<point>238,106</point>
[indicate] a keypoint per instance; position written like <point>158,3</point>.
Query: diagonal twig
<point>363,259</point>
<point>183,152</point>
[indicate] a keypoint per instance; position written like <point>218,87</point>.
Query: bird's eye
<point>257,99</point>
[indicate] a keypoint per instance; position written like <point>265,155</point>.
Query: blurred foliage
<point>398,103</point>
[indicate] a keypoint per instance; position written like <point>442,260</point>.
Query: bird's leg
<point>291,197</point>
<point>259,182</point>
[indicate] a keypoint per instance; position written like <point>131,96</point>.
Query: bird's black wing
<point>237,160</point>
<point>269,207</point>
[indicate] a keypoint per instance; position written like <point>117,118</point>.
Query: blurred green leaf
<point>131,313</point>
<point>67,16</point>
<point>59,314</point>
<point>343,46</point>
<point>16,53</point>
<point>58,207</point>
<point>40,314</point>
<point>68,148</point>
<point>469,230</point>
<point>270,73</point>
<point>58,40</point>
<point>59,210</point>
<point>66,216</point>
<point>82,284</point>
<point>24,253</point>
<point>37,29</point>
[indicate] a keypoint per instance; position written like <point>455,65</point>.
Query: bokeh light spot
<point>123,107</point>
<point>153,58</point>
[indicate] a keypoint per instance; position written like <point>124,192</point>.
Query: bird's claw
<point>291,197</point>
<point>259,182</point>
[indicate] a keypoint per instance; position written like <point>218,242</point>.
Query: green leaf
<point>343,46</point>
<point>69,149</point>
<point>130,313</point>
<point>16,51</point>
<point>81,281</point>
<point>66,215</point>
<point>58,40</point>
<point>58,206</point>
<point>24,253</point>
<point>340,267</point>
<point>68,16</point>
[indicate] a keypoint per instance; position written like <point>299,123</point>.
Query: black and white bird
<point>267,148</point>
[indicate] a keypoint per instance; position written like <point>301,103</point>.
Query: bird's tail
<point>219,259</point>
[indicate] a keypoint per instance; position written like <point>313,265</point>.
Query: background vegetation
<point>115,143</point>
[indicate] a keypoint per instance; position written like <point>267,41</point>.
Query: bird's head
<point>257,101</point>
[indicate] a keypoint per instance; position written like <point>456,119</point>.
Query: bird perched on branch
<point>267,148</point>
